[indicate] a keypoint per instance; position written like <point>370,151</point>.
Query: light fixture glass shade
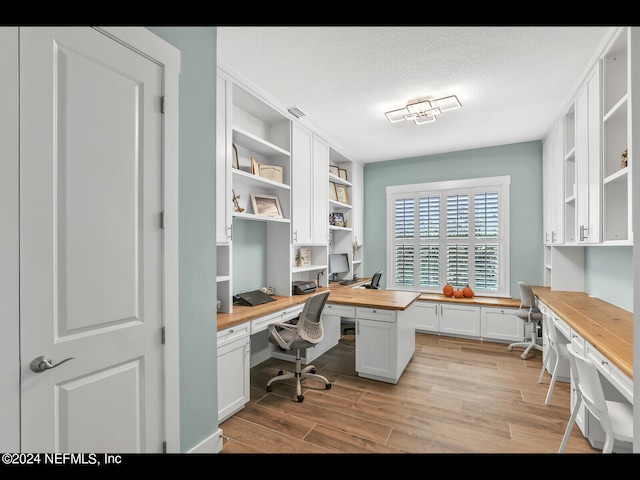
<point>397,115</point>
<point>419,107</point>
<point>424,111</point>
<point>420,119</point>
<point>447,103</point>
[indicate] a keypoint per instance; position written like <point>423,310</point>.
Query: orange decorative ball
<point>448,290</point>
<point>457,293</point>
<point>467,292</point>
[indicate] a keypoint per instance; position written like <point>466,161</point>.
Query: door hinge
<point>162,220</point>
<point>162,104</point>
<point>163,337</point>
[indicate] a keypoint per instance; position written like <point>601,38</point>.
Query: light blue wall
<point>249,255</point>
<point>609,274</point>
<point>197,255</point>
<point>523,162</point>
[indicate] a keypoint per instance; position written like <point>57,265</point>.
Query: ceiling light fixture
<point>424,111</point>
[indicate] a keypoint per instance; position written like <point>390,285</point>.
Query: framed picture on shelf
<point>343,174</point>
<point>338,219</point>
<point>305,255</point>
<point>333,170</point>
<point>255,166</point>
<point>271,172</point>
<point>333,195</point>
<point>341,194</point>
<point>234,160</point>
<point>266,205</point>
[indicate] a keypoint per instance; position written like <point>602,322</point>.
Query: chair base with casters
<point>299,373</point>
<point>528,346</point>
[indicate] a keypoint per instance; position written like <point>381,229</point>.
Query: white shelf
<point>251,179</point>
<point>307,268</point>
<point>256,144</point>
<point>261,218</point>
<point>620,175</point>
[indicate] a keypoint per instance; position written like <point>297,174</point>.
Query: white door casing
<point>91,244</point>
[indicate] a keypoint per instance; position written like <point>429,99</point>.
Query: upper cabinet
<point>588,159</point>
<point>553,185</point>
<point>616,128</point>
<point>596,157</point>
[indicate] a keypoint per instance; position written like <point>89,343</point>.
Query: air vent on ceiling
<point>296,112</point>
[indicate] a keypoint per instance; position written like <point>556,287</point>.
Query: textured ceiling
<point>512,82</point>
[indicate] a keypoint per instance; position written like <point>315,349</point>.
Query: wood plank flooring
<point>455,396</point>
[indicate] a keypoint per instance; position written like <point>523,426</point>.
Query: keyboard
<point>348,282</point>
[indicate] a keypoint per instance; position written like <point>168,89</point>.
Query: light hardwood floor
<point>455,396</point>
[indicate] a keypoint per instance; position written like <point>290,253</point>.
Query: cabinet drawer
<point>262,323</point>
<point>339,310</point>
<point>232,333</point>
<point>612,373</point>
<point>562,326</point>
<point>577,341</point>
<point>377,314</point>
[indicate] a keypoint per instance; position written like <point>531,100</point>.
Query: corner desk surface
<point>607,327</point>
<point>340,294</point>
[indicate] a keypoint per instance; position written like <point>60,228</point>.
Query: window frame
<point>471,187</point>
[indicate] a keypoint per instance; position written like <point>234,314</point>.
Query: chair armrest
<point>275,332</point>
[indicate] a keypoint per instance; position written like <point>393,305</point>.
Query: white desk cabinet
<point>460,320</point>
<point>385,342</point>
<point>501,324</point>
<point>233,370</point>
<point>427,317</point>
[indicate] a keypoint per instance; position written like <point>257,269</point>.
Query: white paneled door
<point>90,244</point>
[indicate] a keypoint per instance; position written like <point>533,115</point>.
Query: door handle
<point>42,363</point>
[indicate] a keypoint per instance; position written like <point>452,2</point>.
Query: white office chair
<point>616,418</point>
<point>532,316</point>
<point>557,351</point>
<point>303,332</point>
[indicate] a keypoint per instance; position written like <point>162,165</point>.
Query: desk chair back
<point>310,322</point>
<point>528,309</point>
<point>557,352</point>
<point>615,417</point>
<point>375,281</point>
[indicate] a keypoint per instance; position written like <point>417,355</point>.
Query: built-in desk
<point>372,310</point>
<point>603,333</point>
<point>609,329</point>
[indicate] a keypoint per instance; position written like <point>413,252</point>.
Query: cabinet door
<point>501,324</point>
<point>460,320</point>
<point>376,350</point>
<point>301,185</point>
<point>588,181</point>
<point>233,376</point>
<point>553,186</point>
<point>426,316</point>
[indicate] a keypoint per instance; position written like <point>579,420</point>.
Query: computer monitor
<point>338,263</point>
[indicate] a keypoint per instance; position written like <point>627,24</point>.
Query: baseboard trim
<point>213,444</point>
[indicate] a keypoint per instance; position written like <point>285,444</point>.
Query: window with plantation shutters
<point>449,232</point>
